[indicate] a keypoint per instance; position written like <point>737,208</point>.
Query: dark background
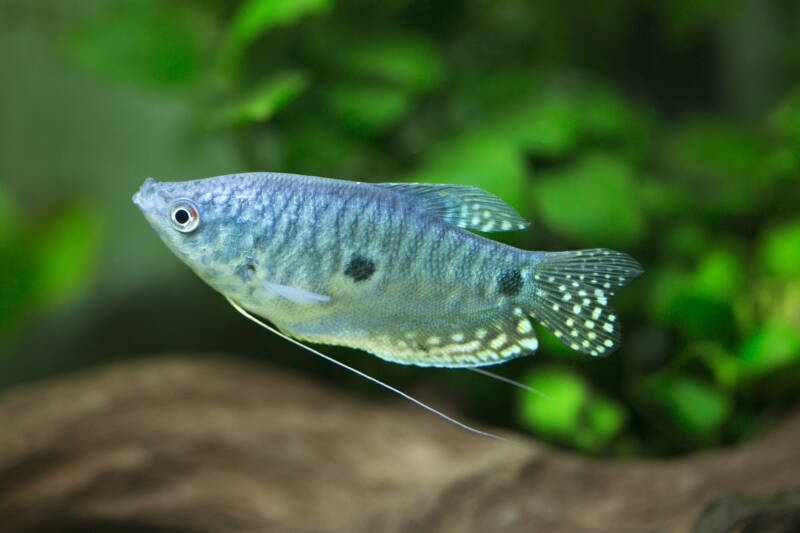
<point>669,130</point>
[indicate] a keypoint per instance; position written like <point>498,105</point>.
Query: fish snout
<point>147,195</point>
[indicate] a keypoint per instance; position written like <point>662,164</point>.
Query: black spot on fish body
<point>509,282</point>
<point>360,268</point>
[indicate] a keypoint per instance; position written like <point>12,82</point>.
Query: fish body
<point>388,268</point>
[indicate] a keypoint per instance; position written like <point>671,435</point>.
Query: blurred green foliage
<point>46,263</point>
<point>254,17</point>
<point>262,102</point>
<point>143,42</point>
<point>571,413</point>
<point>602,196</point>
<point>670,130</point>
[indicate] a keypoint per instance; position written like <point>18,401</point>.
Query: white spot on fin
<point>529,343</point>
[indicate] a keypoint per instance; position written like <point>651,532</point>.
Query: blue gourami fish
<point>388,268</point>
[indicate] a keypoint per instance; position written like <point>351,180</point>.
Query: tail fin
<point>572,296</point>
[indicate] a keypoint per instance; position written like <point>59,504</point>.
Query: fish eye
<point>184,215</point>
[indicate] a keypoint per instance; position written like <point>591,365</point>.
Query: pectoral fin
<point>425,406</point>
<point>294,294</point>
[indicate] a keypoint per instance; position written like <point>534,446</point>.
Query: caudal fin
<point>572,296</point>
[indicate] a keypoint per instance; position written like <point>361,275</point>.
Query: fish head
<point>193,221</point>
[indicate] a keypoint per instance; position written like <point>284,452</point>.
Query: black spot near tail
<point>360,268</point>
<point>509,282</point>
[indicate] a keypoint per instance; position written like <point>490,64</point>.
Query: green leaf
<point>773,346</point>
<point>511,88</point>
<point>660,197</point>
<point>699,317</point>
<point>719,276</point>
<point>723,168</point>
<point>47,265</point>
<point>367,108</point>
<point>254,17</point>
<point>669,286</point>
<point>16,290</point>
<point>15,262</point>
<point>603,420</point>
<point>688,239</point>
<point>682,20</point>
<point>592,202</point>
<point>142,42</point>
<point>700,301</point>
<point>559,416</point>
<point>726,367</point>
<point>403,60</point>
<point>603,113</point>
<point>782,302</point>
<point>263,102</point>
<point>696,407</point>
<point>478,159</point>
<point>318,148</point>
<point>780,250</point>
<point>705,146</point>
<point>786,118</point>
<point>66,251</point>
<point>9,218</point>
<point>547,126</point>
<point>573,413</point>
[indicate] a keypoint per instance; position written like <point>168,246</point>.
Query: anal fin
<point>482,339</point>
<point>349,368</point>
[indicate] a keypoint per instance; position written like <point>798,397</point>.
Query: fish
<point>394,269</point>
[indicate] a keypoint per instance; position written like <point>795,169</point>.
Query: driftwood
<point>210,445</point>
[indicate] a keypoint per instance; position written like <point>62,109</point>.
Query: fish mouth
<point>151,198</point>
<point>146,193</point>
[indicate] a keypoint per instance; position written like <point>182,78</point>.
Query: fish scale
<point>388,268</point>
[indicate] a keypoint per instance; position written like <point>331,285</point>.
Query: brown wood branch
<point>211,445</point>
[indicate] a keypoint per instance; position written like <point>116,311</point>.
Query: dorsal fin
<point>463,206</point>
